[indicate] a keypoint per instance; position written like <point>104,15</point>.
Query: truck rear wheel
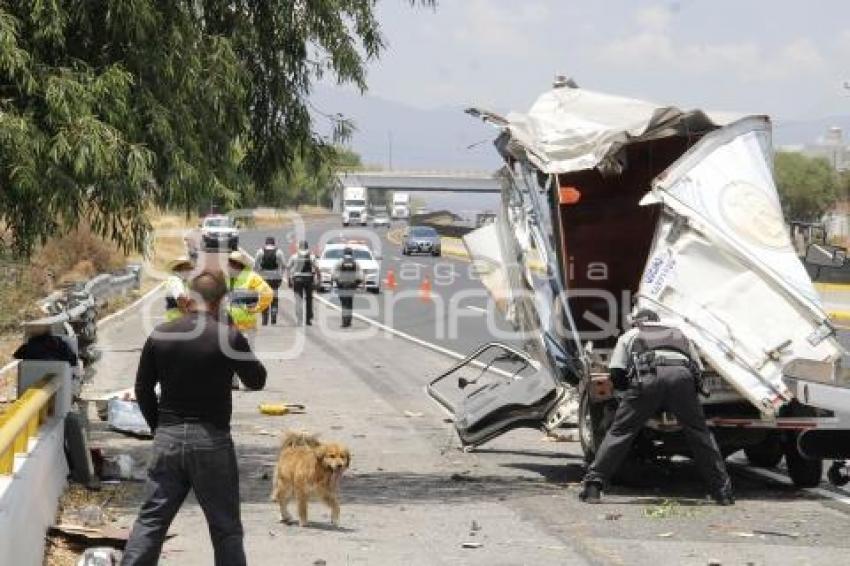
<point>591,426</point>
<point>767,453</point>
<point>804,472</point>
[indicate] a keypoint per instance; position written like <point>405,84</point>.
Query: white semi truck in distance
<point>354,206</point>
<point>401,206</point>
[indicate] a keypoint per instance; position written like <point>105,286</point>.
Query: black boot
<point>591,492</point>
<point>724,496</point>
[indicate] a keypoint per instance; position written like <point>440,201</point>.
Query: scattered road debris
<point>278,409</point>
<point>667,509</point>
<point>775,533</point>
<point>100,556</point>
<point>126,416</point>
<point>553,436</point>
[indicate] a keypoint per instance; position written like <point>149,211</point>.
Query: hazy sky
<point>785,58</point>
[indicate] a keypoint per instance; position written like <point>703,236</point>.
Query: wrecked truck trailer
<point>610,203</point>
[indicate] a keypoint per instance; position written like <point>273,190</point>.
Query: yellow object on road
<point>277,409</point>
<point>273,409</point>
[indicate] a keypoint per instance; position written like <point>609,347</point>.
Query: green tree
<point>808,187</point>
<point>109,107</point>
<point>312,177</point>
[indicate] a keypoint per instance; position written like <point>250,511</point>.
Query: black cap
<point>303,245</point>
<point>269,240</point>
<point>347,251</point>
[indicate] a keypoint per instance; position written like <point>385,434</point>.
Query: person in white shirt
<point>176,290</point>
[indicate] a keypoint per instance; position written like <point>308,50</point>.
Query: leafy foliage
<point>108,107</point>
<point>808,187</point>
<point>311,178</point>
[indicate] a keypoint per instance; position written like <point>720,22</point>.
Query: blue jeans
<point>200,457</point>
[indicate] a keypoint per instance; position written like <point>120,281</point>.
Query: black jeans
<point>303,288</point>
<point>272,310</point>
<point>346,302</point>
<point>200,457</point>
<point>671,388</point>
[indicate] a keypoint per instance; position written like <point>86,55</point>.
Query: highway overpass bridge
<point>417,181</point>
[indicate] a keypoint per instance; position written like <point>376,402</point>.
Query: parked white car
<point>219,231</point>
<point>368,263</point>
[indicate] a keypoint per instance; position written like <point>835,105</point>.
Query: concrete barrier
<point>29,495</point>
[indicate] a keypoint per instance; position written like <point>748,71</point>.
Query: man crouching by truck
<point>192,359</point>
<point>659,368</point>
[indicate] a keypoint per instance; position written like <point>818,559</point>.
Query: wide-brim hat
<point>182,262</point>
<point>241,258</point>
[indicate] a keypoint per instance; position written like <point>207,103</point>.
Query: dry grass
<point>76,256</point>
<point>277,217</point>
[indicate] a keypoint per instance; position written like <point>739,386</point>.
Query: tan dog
<point>308,468</point>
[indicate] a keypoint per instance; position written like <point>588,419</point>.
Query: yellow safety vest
<point>245,317</point>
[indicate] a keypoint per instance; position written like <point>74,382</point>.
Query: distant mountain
<point>800,132</point>
<point>420,139</point>
<point>440,138</point>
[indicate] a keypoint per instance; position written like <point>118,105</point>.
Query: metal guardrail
<point>21,421</point>
<point>73,311</point>
<point>72,304</point>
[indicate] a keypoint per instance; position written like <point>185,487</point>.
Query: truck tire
<point>804,472</point>
<point>591,428</point>
<point>767,453</point>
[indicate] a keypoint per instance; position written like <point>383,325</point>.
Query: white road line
<point>410,338</point>
<point>841,496</point>
<point>476,309</point>
<point>132,305</point>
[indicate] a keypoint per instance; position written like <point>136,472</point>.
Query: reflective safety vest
<point>244,315</point>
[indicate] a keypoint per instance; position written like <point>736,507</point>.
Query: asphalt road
<point>458,315</point>
<point>412,497</point>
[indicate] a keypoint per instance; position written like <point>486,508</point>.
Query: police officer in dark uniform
<point>348,277</point>
<point>660,369</point>
<point>270,263</point>
<point>303,270</point>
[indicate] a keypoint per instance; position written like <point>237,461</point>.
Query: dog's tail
<point>293,438</point>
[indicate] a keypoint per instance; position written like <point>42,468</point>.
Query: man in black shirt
<point>193,360</point>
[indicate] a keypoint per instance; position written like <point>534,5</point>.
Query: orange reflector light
<point>568,195</point>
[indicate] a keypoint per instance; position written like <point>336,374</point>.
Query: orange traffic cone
<point>425,290</point>
<point>390,282</point>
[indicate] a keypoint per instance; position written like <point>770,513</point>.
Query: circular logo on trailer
<point>753,215</point>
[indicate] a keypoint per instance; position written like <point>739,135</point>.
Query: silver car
<point>422,240</point>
